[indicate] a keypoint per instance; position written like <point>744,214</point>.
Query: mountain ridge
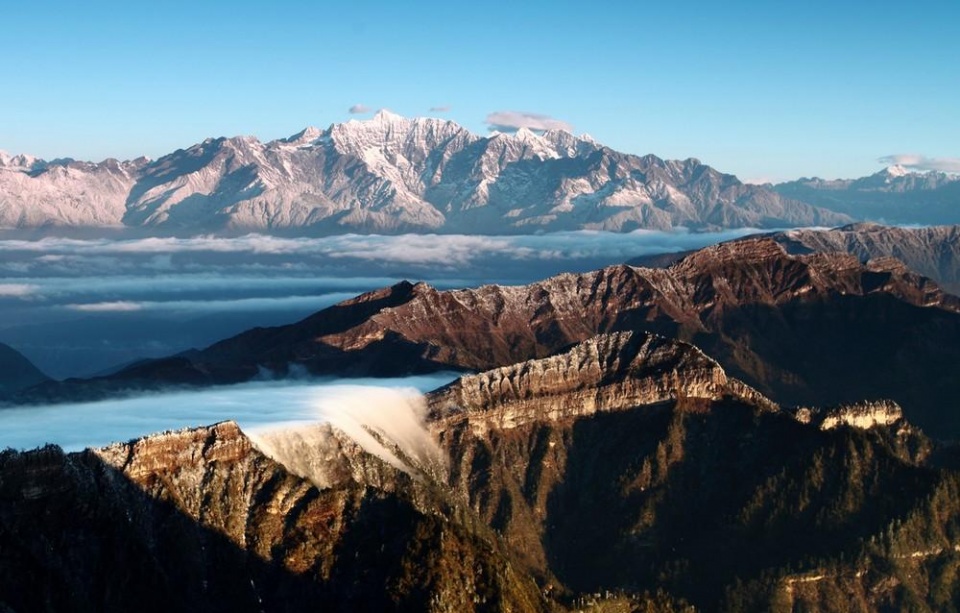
<point>893,195</point>
<point>391,174</point>
<point>700,493</point>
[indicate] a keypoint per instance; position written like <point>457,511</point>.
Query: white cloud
<point>17,290</point>
<point>117,306</point>
<point>253,405</point>
<point>440,109</point>
<point>913,161</point>
<point>359,109</point>
<point>255,304</point>
<point>508,121</point>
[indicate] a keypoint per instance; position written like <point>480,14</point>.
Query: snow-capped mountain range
<point>894,195</point>
<point>391,174</point>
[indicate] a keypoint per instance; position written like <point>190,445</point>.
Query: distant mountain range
<point>893,195</point>
<point>391,174</point>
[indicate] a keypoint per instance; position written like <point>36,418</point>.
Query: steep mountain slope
<point>392,174</point>
<point>16,371</point>
<point>803,329</point>
<point>627,473</point>
<point>202,520</point>
<point>892,195</point>
<point>632,462</point>
<point>933,252</point>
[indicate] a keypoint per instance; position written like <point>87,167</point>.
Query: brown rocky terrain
<point>202,520</point>
<point>630,472</point>
<point>931,251</point>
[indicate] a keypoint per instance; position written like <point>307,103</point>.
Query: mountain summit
<point>392,174</point>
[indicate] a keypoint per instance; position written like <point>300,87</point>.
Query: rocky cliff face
<point>605,373</point>
<point>392,174</point>
<point>866,414</point>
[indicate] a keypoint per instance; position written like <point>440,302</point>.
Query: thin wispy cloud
<point>439,109</point>
<point>258,304</point>
<point>511,121</point>
<point>921,163</point>
<point>359,109</point>
<point>116,306</point>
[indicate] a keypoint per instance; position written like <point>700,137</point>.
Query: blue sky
<point>759,89</point>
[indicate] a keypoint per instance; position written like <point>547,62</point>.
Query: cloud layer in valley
<point>81,307</point>
<point>259,407</point>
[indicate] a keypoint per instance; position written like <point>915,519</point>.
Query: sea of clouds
<point>80,307</point>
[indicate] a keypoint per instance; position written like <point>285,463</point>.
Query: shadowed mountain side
<point>17,372</point>
<point>682,479</point>
<point>200,520</point>
<point>628,465</point>
<point>893,195</point>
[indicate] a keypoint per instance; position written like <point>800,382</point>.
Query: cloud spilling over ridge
<point>913,161</point>
<point>255,406</point>
<point>387,423</point>
<point>510,121</point>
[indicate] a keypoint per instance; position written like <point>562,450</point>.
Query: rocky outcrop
<point>863,415</point>
<point>391,174</point>
<point>612,372</point>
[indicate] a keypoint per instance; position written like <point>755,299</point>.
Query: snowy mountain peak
<point>305,136</point>
<point>526,134</point>
<point>392,174</point>
<point>387,116</point>
<point>896,171</point>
